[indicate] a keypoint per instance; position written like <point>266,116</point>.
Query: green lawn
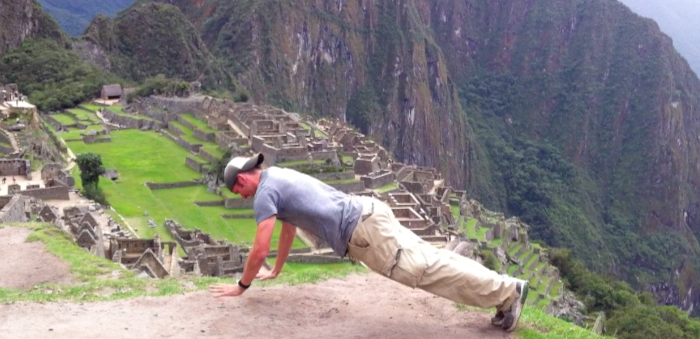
<point>92,107</point>
<point>212,149</point>
<point>481,234</point>
<point>75,133</point>
<point>201,125</point>
<point>82,114</point>
<point>388,187</point>
<point>64,119</point>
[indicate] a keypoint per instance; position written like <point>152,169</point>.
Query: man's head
<point>242,175</point>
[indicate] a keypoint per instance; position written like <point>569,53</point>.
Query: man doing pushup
<point>366,230</point>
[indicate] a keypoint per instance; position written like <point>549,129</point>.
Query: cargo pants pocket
<point>410,266</point>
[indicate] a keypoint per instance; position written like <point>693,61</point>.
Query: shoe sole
<point>521,305</point>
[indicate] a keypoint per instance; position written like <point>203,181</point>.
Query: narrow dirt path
<point>359,306</point>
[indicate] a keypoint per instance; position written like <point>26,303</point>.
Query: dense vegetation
<point>52,75</point>
<point>677,19</point>
<point>630,315</point>
<point>75,15</point>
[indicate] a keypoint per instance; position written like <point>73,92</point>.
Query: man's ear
<point>243,179</point>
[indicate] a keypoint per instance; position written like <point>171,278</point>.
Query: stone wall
<point>13,210</point>
<point>193,164</point>
<point>194,148</point>
<point>209,203</point>
<point>324,155</point>
<point>174,130</point>
<point>130,122</point>
<point>238,203</point>
<point>197,133</point>
<point>48,193</point>
<point>238,216</point>
<point>334,176</point>
<point>157,186</point>
<point>174,105</point>
<point>206,155</point>
<point>379,180</point>
<point>91,139</point>
<point>349,187</point>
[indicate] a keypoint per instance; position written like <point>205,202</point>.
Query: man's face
<point>243,186</point>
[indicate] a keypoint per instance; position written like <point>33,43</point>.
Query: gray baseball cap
<point>238,165</point>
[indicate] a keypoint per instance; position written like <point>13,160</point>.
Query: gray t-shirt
<point>308,203</point>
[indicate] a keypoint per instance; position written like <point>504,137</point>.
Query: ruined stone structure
<point>151,256</point>
<point>205,255</point>
<point>10,167</point>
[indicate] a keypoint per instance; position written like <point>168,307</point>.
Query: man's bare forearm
<point>285,245</point>
<point>252,266</point>
<point>258,253</point>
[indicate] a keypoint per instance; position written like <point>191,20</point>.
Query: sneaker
<point>497,320</point>
<point>511,317</point>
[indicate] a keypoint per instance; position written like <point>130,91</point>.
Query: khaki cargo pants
<point>390,249</point>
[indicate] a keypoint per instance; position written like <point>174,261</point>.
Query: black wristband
<point>242,285</point>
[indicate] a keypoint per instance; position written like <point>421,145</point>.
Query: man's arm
<point>256,257</point>
<point>287,235</point>
<point>261,247</point>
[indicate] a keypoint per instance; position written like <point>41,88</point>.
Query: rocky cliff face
<point>373,63</point>
<point>22,19</point>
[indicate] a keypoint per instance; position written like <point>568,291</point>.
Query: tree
<point>91,168</point>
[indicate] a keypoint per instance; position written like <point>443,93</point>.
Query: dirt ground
<point>358,306</point>
<point>23,264</point>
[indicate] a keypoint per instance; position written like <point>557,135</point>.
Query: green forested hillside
<point>75,15</point>
<point>678,19</point>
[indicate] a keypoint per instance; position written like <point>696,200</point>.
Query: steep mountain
<point>151,39</point>
<point>677,18</point>
<point>579,116</point>
<point>37,55</point>
<point>75,15</point>
<point>22,19</point>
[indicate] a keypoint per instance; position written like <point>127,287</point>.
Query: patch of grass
<point>387,187</point>
<point>536,324</point>
<point>64,119</point>
<point>102,280</point>
<point>212,149</point>
<point>92,107</point>
<point>341,181</point>
<point>84,115</point>
<point>75,133</point>
<point>481,234</point>
<point>201,125</point>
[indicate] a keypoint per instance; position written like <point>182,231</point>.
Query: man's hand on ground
<point>226,290</point>
<point>264,275</point>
